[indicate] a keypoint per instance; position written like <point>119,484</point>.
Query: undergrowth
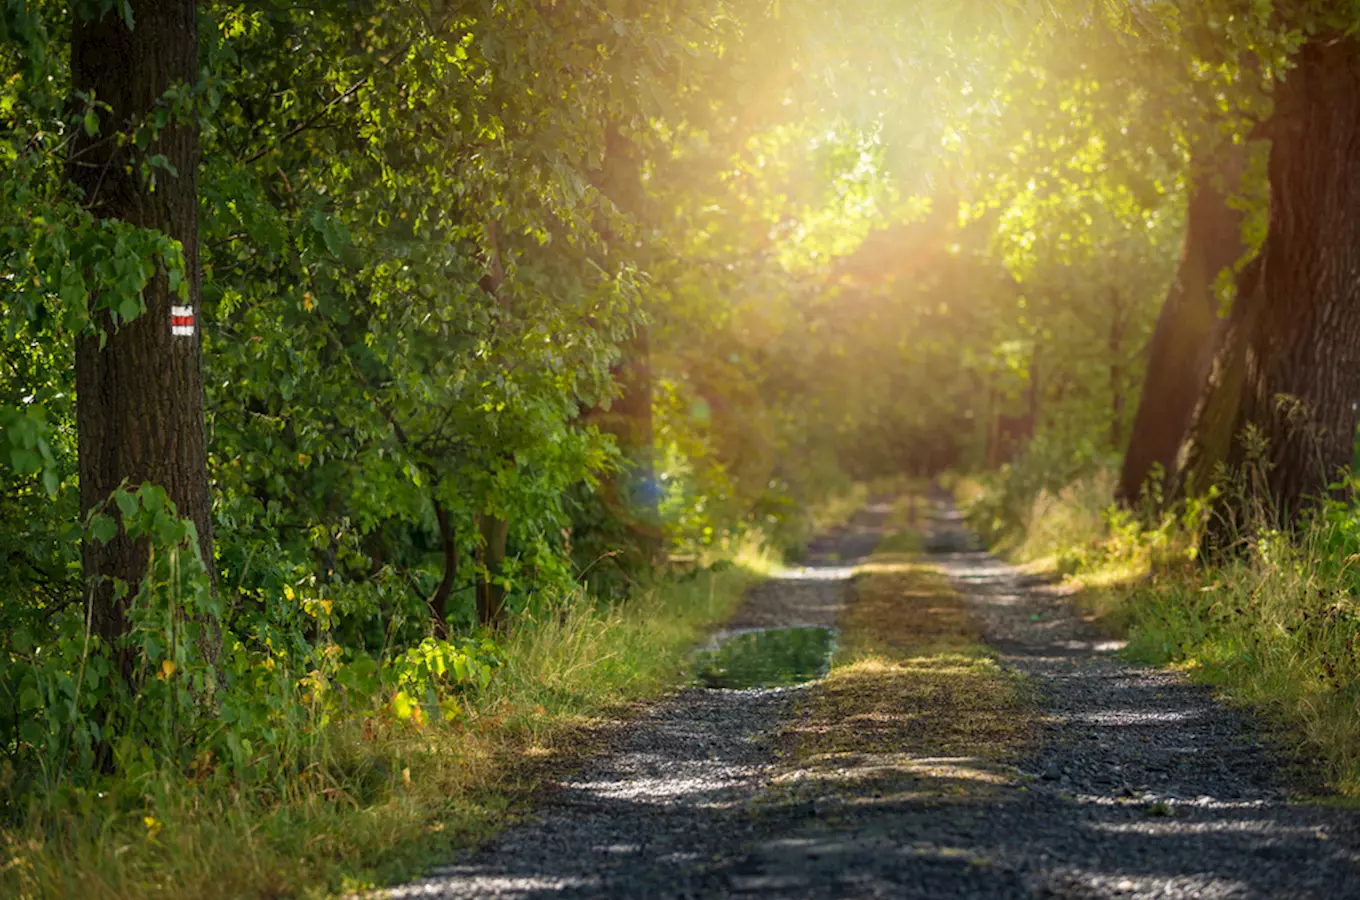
<point>382,794</point>
<point>1275,624</point>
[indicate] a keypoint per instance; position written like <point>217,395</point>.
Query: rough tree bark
<point>1184,338</point>
<point>139,403</point>
<point>1290,364</point>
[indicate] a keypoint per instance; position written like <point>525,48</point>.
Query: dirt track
<point>1141,784</point>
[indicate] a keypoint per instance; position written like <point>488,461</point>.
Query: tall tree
<point>139,383</point>
<point>1184,339</point>
<point>629,494</point>
<point>493,528</point>
<point>1288,369</point>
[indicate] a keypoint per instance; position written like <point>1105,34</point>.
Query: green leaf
<point>166,529</point>
<point>91,123</point>
<point>32,733</point>
<point>25,461</point>
<point>102,528</point>
<point>127,502</point>
<point>130,308</point>
<point>335,235</point>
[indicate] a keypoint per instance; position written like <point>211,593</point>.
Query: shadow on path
<point>1143,786</point>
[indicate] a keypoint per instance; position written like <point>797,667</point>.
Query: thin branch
<point>303,126</point>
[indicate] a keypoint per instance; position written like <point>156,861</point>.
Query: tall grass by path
<point>383,797</point>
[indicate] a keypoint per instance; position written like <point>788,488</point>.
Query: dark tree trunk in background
<point>1183,341</point>
<point>1033,394</point>
<point>448,541</point>
<point>1214,420</point>
<point>139,404</point>
<point>1293,355</point>
<point>493,531</point>
<point>491,596</point>
<point>1115,346</point>
<point>631,494</point>
<point>993,428</point>
<point>1009,436</point>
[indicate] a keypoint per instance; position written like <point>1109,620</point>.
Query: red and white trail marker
<point>182,321</point>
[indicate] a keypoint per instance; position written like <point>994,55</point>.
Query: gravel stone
<point>1143,785</point>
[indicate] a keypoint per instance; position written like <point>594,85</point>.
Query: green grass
<point>385,798</point>
<point>770,657</point>
<point>901,542</point>
<point>1279,638</point>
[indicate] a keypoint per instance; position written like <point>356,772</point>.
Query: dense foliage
<point>444,248</point>
<point>428,240</point>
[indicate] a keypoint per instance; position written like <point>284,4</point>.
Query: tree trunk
<point>1299,353</point>
<point>1183,340</point>
<point>491,596</point>
<point>1115,346</point>
<point>139,404</point>
<point>631,496</point>
<point>1009,436</point>
<point>1214,421</point>
<point>439,601</point>
<point>994,428</point>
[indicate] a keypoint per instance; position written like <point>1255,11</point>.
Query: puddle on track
<point>766,657</point>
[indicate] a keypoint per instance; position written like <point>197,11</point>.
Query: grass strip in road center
<point>914,701</point>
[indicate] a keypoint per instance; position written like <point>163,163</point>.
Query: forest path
<point>1135,783</point>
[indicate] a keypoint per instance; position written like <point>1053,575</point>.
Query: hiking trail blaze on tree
<point>139,383</point>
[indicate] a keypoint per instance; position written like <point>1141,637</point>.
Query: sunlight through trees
<point>337,333</point>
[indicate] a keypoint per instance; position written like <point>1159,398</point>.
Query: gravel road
<point>1143,785</point>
